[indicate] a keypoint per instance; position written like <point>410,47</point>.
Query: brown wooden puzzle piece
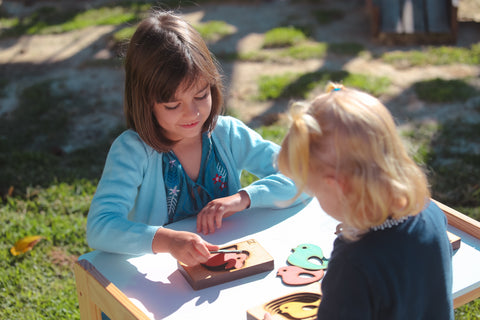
<point>229,266</point>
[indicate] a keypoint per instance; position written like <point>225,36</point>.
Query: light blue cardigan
<point>130,202</point>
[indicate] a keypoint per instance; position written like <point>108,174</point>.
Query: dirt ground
<point>75,60</point>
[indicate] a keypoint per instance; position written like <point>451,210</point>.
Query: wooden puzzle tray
<point>251,259</point>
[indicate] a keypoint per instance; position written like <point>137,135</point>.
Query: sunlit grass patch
<point>292,85</point>
<point>124,34</point>
<point>283,37</point>
<point>214,30</point>
<point>305,51</point>
<point>302,51</point>
<point>440,90</point>
<point>442,55</point>
<point>50,20</point>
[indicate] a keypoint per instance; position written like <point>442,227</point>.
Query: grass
<point>283,37</point>
<point>214,30</point>
<point>440,90</point>
<point>40,284</point>
<point>293,85</point>
<point>454,163</point>
<point>442,55</point>
<point>50,20</point>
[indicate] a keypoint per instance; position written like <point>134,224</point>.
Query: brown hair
<point>165,53</point>
<point>354,134</point>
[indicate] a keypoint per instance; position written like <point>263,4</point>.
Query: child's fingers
<point>202,249</point>
<point>212,247</point>
<point>208,218</point>
<point>218,220</point>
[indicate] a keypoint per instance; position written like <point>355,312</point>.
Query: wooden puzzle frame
<point>258,261</point>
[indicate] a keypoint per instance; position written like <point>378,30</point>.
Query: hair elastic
<point>334,87</point>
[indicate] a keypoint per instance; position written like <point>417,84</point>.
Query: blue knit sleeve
<point>250,152</point>
<point>108,226</point>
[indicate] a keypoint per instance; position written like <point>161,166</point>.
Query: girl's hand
<point>187,247</point>
<point>212,214</point>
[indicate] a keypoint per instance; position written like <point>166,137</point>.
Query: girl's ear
<point>338,183</point>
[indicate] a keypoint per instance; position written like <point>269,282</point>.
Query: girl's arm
<point>108,226</point>
<point>258,156</point>
<point>242,148</point>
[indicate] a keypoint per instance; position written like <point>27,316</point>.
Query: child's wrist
<point>161,240</point>
<point>244,199</point>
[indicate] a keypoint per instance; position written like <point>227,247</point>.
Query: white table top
<point>154,284</point>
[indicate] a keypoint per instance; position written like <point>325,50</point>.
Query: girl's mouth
<point>189,125</point>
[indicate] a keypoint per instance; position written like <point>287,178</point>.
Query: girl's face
<point>183,118</point>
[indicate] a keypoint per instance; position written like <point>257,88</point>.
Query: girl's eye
<point>172,107</point>
<point>204,96</point>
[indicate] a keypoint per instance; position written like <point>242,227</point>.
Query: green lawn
<point>46,192</point>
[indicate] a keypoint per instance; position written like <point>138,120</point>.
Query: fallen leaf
<point>25,244</point>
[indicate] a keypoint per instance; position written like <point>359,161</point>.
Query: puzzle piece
<point>292,275</point>
<point>226,261</point>
<point>303,253</point>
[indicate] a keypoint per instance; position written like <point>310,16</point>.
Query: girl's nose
<point>193,109</point>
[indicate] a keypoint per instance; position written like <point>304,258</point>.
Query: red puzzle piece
<point>226,261</point>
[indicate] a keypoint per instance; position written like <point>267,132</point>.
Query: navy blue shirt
<point>401,272</point>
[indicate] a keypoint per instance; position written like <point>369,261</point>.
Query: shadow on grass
<point>32,139</point>
<point>453,163</point>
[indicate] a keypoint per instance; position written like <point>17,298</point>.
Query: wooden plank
<point>460,221</point>
<point>466,298</point>
<point>97,294</point>
<point>472,227</point>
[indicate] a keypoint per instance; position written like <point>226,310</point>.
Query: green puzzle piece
<point>303,253</point>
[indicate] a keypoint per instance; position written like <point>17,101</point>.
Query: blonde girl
<point>392,257</point>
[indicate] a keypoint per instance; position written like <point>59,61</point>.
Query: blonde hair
<point>354,134</point>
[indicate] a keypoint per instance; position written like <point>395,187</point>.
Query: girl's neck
<point>186,144</point>
<point>189,153</point>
